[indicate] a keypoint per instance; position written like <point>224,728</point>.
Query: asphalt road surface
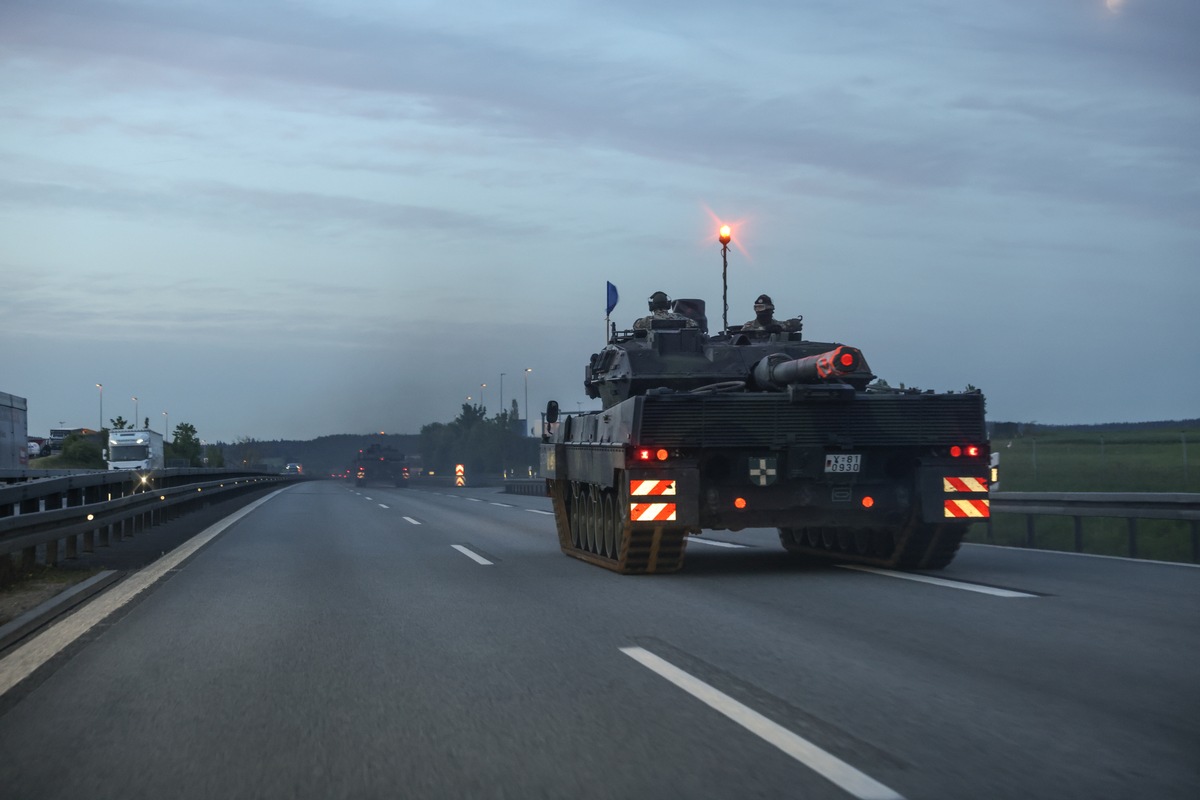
<point>336,642</point>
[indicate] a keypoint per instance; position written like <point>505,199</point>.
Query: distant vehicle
<point>380,464</point>
<point>140,450</point>
<point>58,436</point>
<point>14,432</point>
<point>293,468</point>
<point>35,448</point>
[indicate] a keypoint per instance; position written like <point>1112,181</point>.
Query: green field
<point>1133,459</point>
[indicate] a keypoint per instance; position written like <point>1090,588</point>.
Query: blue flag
<point>612,298</point>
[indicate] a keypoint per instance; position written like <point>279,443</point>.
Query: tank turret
<point>671,356</point>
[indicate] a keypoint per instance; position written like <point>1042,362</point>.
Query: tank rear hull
<point>843,474</point>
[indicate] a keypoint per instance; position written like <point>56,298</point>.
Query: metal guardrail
<point>91,508</point>
<point>1130,506</point>
<point>530,486</point>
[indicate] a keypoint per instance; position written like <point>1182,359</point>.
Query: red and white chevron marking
<point>967,509</point>
<point>651,487</point>
<point>652,512</point>
<point>964,485</point>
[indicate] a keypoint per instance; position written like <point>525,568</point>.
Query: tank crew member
<point>660,308</point>
<point>764,318</point>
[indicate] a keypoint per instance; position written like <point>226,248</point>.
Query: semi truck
<point>139,449</point>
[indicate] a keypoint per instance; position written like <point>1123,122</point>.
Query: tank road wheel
<point>608,522</point>
<point>576,515</point>
<point>845,540</point>
<point>829,540</point>
<point>862,541</point>
<point>787,538</point>
<point>593,519</point>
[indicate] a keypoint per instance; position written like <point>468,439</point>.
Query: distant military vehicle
<point>738,430</point>
<point>380,464</point>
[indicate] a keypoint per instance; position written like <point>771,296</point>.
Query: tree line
<point>483,445</point>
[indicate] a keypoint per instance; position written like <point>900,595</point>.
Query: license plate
<point>843,462</point>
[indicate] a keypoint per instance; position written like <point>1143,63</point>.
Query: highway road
<point>336,642</point>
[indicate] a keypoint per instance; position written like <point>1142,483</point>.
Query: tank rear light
<point>968,450</point>
<point>650,454</point>
<point>868,501</point>
<point>739,503</point>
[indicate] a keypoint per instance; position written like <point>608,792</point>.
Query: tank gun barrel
<point>778,370</point>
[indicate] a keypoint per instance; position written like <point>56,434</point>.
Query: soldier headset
<point>659,301</point>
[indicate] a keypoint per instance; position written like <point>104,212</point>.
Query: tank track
<point>918,545</point>
<point>593,525</point>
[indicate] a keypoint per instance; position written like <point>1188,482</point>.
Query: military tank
<point>752,429</point>
<point>380,463</point>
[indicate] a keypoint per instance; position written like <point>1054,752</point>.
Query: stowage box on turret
<point>764,429</point>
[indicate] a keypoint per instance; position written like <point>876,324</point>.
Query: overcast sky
<point>291,219</point>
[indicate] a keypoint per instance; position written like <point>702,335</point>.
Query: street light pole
<point>100,386</point>
<point>527,371</point>
<point>502,374</point>
<point>725,236</point>
<point>483,399</point>
<point>166,426</point>
<point>135,412</point>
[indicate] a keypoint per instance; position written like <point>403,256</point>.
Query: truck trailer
<point>14,432</point>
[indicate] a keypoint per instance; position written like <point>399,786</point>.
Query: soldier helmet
<point>659,301</point>
<point>763,303</point>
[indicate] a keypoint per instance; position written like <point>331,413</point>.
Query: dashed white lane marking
<point>473,556</point>
<point>966,587</point>
<point>413,521</point>
<point>828,766</point>
<point>20,663</point>
<point>474,499</point>
<point>366,498</point>
<point>381,505</point>
<point>502,505</point>
<point>539,511</point>
<point>698,540</point>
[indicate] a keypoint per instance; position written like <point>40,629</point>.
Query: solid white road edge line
<point>413,521</point>
<point>698,540</point>
<point>21,663</point>
<point>473,556</point>
<point>966,587</point>
<point>825,764</point>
